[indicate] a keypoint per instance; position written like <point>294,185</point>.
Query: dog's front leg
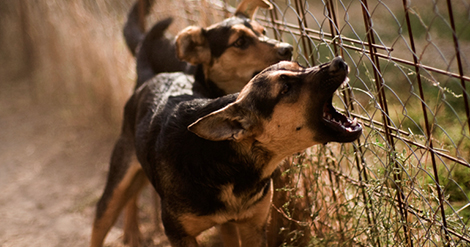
<point>253,230</point>
<point>178,237</point>
<point>182,228</point>
<point>175,229</point>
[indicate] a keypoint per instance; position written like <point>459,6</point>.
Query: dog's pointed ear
<point>248,8</point>
<point>229,123</point>
<point>192,46</point>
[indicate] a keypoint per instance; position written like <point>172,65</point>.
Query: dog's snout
<point>338,64</point>
<point>285,50</point>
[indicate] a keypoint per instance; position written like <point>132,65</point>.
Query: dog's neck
<point>205,86</point>
<point>258,156</point>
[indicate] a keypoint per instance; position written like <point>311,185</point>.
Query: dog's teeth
<point>349,129</point>
<point>324,114</point>
<point>354,122</point>
<point>345,82</point>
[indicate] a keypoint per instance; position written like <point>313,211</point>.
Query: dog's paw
<point>133,237</point>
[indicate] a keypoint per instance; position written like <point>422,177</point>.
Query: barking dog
<point>223,58</point>
<point>211,160</point>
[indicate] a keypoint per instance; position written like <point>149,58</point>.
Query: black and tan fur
<point>222,57</point>
<point>211,160</point>
<point>215,61</point>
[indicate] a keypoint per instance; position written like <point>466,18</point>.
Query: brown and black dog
<point>211,160</point>
<point>222,58</point>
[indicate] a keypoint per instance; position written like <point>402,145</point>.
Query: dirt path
<point>52,172</point>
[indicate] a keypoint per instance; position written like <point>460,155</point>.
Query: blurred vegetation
<point>68,55</point>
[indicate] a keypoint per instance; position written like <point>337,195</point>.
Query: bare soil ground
<point>52,172</point>
<point>53,168</point>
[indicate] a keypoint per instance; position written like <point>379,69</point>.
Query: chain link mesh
<point>406,181</point>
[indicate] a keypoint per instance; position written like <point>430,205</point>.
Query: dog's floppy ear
<point>192,46</point>
<point>248,8</point>
<point>228,123</point>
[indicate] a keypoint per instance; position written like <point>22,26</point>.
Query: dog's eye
<point>264,31</point>
<point>285,88</point>
<point>240,42</point>
<point>287,83</point>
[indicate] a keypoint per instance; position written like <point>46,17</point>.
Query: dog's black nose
<point>338,64</point>
<point>285,51</point>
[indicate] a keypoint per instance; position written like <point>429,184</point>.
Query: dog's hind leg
<point>158,212</point>
<point>132,234</point>
<point>125,179</point>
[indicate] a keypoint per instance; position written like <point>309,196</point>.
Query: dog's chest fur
<point>191,174</point>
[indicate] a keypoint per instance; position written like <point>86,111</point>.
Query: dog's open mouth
<point>343,128</point>
<point>339,122</point>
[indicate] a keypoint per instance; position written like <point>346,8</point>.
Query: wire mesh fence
<point>406,181</point>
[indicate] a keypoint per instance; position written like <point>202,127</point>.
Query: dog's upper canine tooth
<point>354,122</point>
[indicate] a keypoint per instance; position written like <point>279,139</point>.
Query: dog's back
<point>168,135</point>
<point>146,105</point>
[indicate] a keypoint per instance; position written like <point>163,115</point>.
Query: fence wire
<point>406,181</point>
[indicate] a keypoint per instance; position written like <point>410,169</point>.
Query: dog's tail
<point>157,54</point>
<point>134,29</point>
<point>154,52</point>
